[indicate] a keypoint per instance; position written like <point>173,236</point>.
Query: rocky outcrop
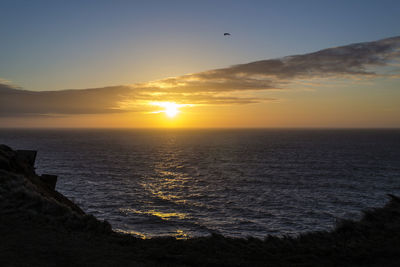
<point>28,196</point>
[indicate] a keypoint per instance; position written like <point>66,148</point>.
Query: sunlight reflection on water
<point>233,182</point>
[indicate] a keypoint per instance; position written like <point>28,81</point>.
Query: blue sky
<point>53,45</point>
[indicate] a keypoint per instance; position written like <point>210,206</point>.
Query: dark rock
<point>6,154</point>
<point>49,180</point>
<point>4,163</point>
<point>28,156</point>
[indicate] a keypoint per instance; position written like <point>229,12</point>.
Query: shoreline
<point>41,227</point>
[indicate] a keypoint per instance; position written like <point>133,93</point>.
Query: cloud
<point>214,87</point>
<point>347,61</point>
<point>6,85</point>
<point>202,99</point>
<point>86,101</point>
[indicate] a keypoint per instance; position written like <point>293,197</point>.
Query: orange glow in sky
<point>329,90</point>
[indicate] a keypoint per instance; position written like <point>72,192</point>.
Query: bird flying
<point>226,34</point>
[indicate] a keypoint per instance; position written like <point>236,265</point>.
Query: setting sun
<point>170,108</point>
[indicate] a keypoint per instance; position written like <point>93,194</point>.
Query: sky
<point>136,63</point>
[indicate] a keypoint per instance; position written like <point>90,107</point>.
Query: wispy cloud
<point>214,87</point>
<point>350,60</point>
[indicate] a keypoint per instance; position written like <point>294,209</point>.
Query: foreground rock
<point>41,227</point>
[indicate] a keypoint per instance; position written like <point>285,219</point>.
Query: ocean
<point>236,182</point>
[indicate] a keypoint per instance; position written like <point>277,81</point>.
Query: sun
<point>171,109</point>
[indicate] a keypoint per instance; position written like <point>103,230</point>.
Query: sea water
<point>238,183</point>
